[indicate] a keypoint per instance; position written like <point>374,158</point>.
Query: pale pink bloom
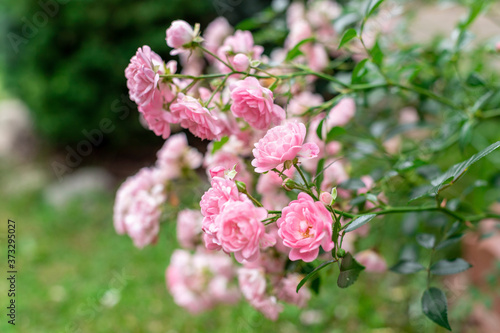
<point>334,174</point>
<point>138,207</point>
<point>341,113</point>
<point>176,155</point>
<point>179,34</point>
<point>301,102</point>
<point>143,75</point>
<point>281,144</point>
<point>212,202</point>
<point>326,198</point>
<point>192,63</point>
<point>317,57</point>
<point>241,62</point>
<point>286,291</point>
<point>372,261</point>
<point>255,104</point>
<point>268,260</point>
<point>240,230</point>
<point>252,283</point>
<point>275,200</point>
<point>295,13</point>
<point>156,117</point>
<point>368,181</point>
<point>299,31</point>
<point>272,181</point>
<point>240,42</point>
<point>228,160</point>
<point>270,188</point>
<point>304,226</point>
<point>215,33</point>
<point>198,119</point>
<point>408,115</point>
<point>202,280</point>
<point>189,222</point>
<point>217,171</point>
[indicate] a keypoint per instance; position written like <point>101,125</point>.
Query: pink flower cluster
<point>201,280</point>
<point>232,223</point>
<point>240,106</point>
<point>138,207</point>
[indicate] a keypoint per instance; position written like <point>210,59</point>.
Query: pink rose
<point>252,283</point>
<point>240,230</point>
<point>240,42</point>
<point>286,291</point>
<point>303,101</point>
<point>138,205</point>
<point>143,75</point>
<point>198,119</point>
<point>189,223</point>
<point>254,104</point>
<point>176,155</point>
<point>212,202</point>
<point>280,144</point>
<point>201,280</point>
<point>304,226</point>
<point>341,113</point>
<point>215,33</point>
<point>372,261</point>
<point>228,160</point>
<point>179,34</point>
<point>241,62</point>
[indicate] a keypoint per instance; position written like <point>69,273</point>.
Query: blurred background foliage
<point>69,69</point>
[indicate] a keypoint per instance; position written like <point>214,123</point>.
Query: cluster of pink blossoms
<point>254,125</point>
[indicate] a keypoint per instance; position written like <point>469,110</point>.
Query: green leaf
<point>349,271</point>
<point>295,51</point>
<point>474,80</point>
<point>377,54</point>
<point>426,240</point>
<point>407,267</point>
<point>435,307</point>
<point>348,35</point>
<point>456,171</point>
<point>319,130</point>
<point>357,72</point>
<point>449,242</point>
<point>218,144</point>
<point>313,273</point>
<point>318,179</point>
<point>465,136</point>
<point>374,4</point>
<point>334,132</point>
<point>449,267</point>
<point>359,222</point>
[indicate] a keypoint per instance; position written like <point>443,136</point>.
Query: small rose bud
<point>341,253</point>
<point>241,62</point>
<point>217,171</point>
<point>288,184</point>
<point>326,198</point>
<point>242,188</point>
<point>179,33</point>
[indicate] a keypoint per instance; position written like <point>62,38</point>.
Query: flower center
<point>304,229</point>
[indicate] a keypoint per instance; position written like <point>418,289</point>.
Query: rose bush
<point>317,119</point>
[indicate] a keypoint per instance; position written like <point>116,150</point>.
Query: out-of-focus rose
<point>372,261</point>
<point>200,281</point>
<point>189,222</point>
